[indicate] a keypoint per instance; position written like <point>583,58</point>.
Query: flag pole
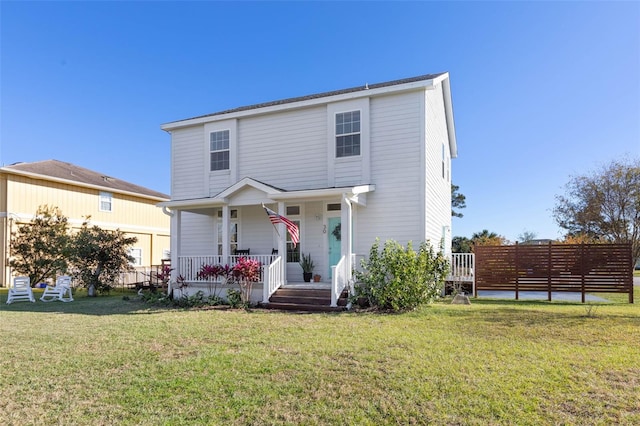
<point>274,225</point>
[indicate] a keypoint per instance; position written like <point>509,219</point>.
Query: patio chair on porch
<point>242,252</point>
<point>274,251</point>
<point>20,290</point>
<point>61,291</point>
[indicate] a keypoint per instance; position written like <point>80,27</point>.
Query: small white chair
<point>21,290</point>
<point>61,291</point>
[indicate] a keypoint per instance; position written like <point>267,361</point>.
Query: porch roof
<point>269,194</point>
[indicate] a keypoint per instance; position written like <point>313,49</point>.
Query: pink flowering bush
<point>245,272</point>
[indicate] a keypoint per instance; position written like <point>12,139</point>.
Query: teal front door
<point>335,237</point>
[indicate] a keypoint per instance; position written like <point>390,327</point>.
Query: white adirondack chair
<point>61,291</point>
<point>21,290</point>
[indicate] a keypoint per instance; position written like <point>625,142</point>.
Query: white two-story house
<point>347,166</point>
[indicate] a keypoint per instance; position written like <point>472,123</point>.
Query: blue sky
<point>541,91</point>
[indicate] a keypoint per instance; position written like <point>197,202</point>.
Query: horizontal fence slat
<point>556,267</point>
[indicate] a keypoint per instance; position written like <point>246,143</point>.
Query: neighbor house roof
<point>60,171</point>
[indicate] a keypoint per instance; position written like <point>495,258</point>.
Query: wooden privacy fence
<point>582,268</point>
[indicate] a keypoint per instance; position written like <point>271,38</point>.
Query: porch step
<point>305,300</point>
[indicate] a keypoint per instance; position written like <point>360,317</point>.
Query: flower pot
<point>307,276</point>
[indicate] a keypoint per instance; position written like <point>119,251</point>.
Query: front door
<point>335,237</point>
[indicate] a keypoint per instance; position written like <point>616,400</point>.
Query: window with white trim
<point>293,253</point>
<point>106,201</point>
<point>219,150</point>
<point>136,254</point>
<point>233,231</point>
<point>347,134</point>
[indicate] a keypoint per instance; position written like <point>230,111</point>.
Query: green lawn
<point>106,361</point>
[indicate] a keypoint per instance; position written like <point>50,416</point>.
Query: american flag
<point>275,218</point>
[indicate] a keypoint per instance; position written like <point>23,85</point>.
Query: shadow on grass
<point>112,304</point>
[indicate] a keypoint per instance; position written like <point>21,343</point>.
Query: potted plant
<point>307,266</point>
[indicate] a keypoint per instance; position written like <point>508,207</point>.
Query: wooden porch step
<point>305,300</point>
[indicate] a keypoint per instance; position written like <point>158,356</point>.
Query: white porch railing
<point>462,268</point>
<point>273,278</point>
<point>339,280</point>
<point>189,266</point>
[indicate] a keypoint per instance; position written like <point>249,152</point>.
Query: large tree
<point>603,205</point>
<point>39,249</point>
<point>486,238</point>
<point>458,201</point>
<point>99,256</point>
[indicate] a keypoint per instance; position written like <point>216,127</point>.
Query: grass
<point>110,361</point>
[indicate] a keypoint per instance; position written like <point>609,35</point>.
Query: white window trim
<point>336,135</point>
<point>232,221</point>
<point>228,149</point>
<point>232,172</point>
<point>101,196</point>
<point>294,218</point>
<point>361,105</point>
<point>135,257</point>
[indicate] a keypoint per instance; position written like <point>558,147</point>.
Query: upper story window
<point>106,201</point>
<point>347,134</point>
<point>219,149</point>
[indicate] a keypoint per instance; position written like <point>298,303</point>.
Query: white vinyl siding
<point>286,150</point>
<point>393,210</point>
<point>198,235</point>
<point>187,163</point>
<point>438,182</point>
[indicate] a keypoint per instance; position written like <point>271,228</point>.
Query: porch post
<point>174,247</point>
<point>282,241</point>
<point>225,233</point>
<point>347,237</point>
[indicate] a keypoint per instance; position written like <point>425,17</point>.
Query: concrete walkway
<point>540,295</point>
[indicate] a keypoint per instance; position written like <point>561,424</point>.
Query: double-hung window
<point>347,134</point>
<point>106,201</point>
<point>219,150</point>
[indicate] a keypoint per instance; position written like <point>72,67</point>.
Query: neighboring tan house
<point>347,166</point>
<point>79,192</point>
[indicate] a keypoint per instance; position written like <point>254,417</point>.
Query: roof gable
<point>66,172</point>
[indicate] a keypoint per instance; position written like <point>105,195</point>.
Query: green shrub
<point>400,278</point>
<point>234,298</point>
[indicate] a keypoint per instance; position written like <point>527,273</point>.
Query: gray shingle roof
<point>320,95</point>
<point>71,172</point>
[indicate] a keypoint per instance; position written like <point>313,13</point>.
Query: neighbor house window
<point>348,134</point>
<point>106,203</point>
<point>136,254</point>
<point>233,231</point>
<point>219,150</point>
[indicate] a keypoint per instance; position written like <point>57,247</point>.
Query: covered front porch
<point>233,224</point>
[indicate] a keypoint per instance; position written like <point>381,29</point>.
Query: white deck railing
<point>273,278</point>
<point>339,280</point>
<point>462,268</point>
<point>189,266</point>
